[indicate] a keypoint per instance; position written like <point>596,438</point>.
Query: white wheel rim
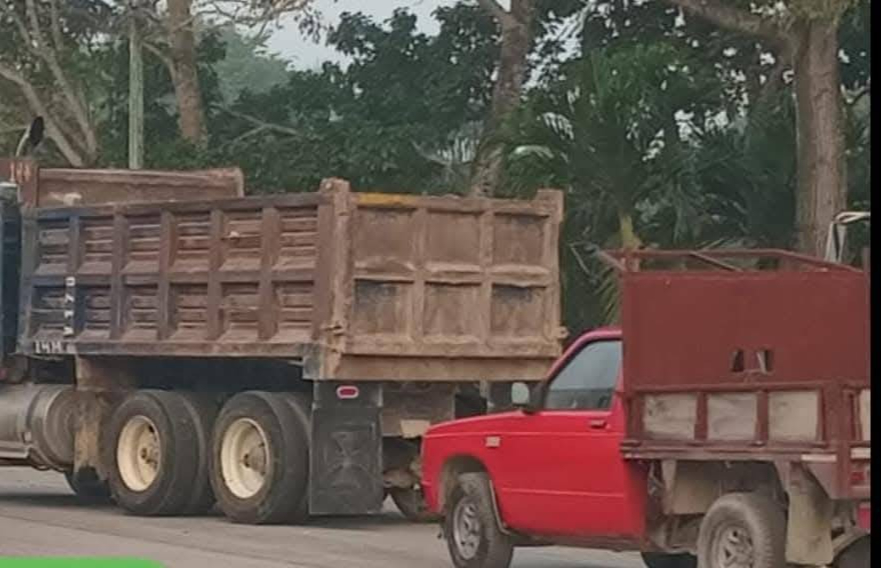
<point>244,458</point>
<point>138,453</point>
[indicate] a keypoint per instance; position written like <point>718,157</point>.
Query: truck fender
<point>456,466</point>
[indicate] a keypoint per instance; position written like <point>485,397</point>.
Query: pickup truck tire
<point>260,459</point>
<point>663,560</point>
<point>742,530</point>
<point>154,438</point>
<point>857,555</point>
<point>472,531</point>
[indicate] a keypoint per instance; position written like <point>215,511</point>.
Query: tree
<point>520,27</point>
<point>171,35</point>
<point>805,33</point>
<point>399,117</point>
<point>45,50</point>
<point>516,41</point>
<point>606,131</point>
<point>247,66</point>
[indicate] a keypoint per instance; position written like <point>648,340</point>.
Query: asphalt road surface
<point>39,516</point>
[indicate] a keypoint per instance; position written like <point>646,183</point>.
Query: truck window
<point>588,380</point>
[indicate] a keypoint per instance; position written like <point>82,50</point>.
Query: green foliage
<point>164,148</point>
<point>247,66</point>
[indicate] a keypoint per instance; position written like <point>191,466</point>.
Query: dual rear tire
<point>173,453</point>
<point>158,453</point>
<point>260,454</point>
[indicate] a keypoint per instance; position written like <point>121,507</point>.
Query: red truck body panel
<point>555,473</point>
<point>767,359</point>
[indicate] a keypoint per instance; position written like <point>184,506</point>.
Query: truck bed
<point>746,355</point>
<point>357,285</point>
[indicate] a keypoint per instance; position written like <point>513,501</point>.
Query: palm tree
<point>607,131</point>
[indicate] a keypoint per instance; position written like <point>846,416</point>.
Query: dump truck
<point>174,343</point>
<point>725,423</point>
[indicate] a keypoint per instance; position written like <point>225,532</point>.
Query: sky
<point>305,54</point>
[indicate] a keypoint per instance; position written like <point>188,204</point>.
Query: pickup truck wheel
<point>662,560</point>
<point>260,458</point>
<point>154,454</point>
<point>411,503</point>
<point>742,530</point>
<point>471,528</point>
<point>856,555</point>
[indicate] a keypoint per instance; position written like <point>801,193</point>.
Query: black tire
<point>742,516</point>
<point>87,487</point>
<point>411,503</point>
<point>203,408</point>
<point>857,555</point>
<point>663,560</point>
<point>472,498</point>
<point>283,495</point>
<point>179,484</point>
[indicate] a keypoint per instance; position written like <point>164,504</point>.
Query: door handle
<point>598,424</point>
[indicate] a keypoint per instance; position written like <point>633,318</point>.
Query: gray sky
<point>303,53</point>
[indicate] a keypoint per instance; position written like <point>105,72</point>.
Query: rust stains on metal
<point>62,187</point>
<point>372,286</point>
<point>785,335</point>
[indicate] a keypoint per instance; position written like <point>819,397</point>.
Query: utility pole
<point>136,93</point>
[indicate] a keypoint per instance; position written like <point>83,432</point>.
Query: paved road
<point>40,516</point>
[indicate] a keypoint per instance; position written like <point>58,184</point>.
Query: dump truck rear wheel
<point>662,560</point>
<point>474,538</point>
<point>153,435</point>
<point>411,503</point>
<point>742,530</point>
<point>260,458</point>
<point>203,408</point>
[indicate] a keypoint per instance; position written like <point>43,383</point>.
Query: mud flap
<point>346,454</point>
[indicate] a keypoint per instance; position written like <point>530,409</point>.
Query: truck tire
<point>260,458</point>
<point>471,528</point>
<point>154,437</point>
<point>857,555</point>
<point>203,407</point>
<point>411,503</point>
<point>87,488</point>
<point>742,530</point>
<point>663,560</point>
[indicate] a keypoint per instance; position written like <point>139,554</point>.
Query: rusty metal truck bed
<point>358,285</point>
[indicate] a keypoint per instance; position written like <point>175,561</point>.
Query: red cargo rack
<point>746,355</point>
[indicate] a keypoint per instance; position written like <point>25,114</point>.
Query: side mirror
<point>524,398</point>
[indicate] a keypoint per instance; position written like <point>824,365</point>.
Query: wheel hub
<point>467,531</point>
<point>244,458</point>
<point>138,453</point>
<point>734,548</point>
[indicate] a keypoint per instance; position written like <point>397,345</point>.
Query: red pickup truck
<point>640,439</point>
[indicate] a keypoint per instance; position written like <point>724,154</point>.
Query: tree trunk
<point>184,75</point>
<point>822,187</point>
<point>516,27</point>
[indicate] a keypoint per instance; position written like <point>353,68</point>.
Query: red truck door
<point>562,472</point>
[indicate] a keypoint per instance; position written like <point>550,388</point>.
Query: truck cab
<point>556,463</point>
